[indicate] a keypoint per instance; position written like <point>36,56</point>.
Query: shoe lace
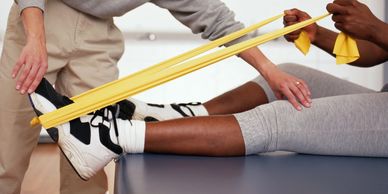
<point>105,113</point>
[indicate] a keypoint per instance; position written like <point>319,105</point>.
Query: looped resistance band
<point>158,74</point>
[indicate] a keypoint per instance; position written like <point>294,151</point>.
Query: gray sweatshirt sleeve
<point>212,18</point>
<point>30,3</point>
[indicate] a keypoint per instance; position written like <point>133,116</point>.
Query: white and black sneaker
<point>89,142</point>
<point>160,112</point>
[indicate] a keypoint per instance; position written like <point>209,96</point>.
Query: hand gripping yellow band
<point>345,47</point>
<point>123,88</point>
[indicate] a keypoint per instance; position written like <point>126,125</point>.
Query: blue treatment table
<point>275,173</point>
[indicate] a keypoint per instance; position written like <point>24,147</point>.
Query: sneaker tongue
<point>46,89</point>
<point>127,109</point>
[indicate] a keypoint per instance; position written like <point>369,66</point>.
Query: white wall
<point>170,38</point>
<point>4,9</point>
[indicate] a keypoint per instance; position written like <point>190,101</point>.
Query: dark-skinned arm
<point>357,20</point>
<point>371,53</point>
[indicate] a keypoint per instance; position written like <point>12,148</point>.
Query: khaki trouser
<point>82,53</point>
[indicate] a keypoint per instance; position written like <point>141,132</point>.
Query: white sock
<point>131,135</point>
<point>167,111</point>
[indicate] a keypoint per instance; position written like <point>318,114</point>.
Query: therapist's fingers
<point>18,66</point>
<point>24,73</point>
<point>291,98</point>
<point>302,92</point>
<point>38,78</point>
<point>305,90</point>
<point>30,78</point>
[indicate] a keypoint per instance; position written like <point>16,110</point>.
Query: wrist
<point>266,69</point>
<point>35,36</point>
<point>318,33</point>
<point>35,39</point>
<point>258,61</point>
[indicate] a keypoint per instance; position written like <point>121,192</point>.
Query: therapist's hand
<point>283,85</point>
<point>354,18</point>
<point>289,87</point>
<point>294,16</point>
<point>32,63</point>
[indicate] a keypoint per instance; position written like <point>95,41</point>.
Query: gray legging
<point>345,119</point>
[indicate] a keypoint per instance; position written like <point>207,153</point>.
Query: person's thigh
<point>99,46</point>
<point>321,84</point>
<point>352,125</point>
<point>17,137</point>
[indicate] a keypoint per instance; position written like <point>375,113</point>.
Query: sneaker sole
<point>78,165</point>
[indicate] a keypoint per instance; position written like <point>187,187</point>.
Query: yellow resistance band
<point>123,88</point>
<point>189,54</point>
<point>345,47</point>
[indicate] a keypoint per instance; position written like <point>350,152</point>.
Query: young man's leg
<point>351,125</point>
<point>247,96</point>
<point>204,133</point>
<point>99,45</point>
<point>165,136</point>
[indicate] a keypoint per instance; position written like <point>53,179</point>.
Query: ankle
<point>131,136</point>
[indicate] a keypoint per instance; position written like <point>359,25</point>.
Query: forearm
<point>258,60</point>
<point>325,39</point>
<point>380,35</point>
<point>32,63</point>
<point>33,24</point>
<point>370,54</point>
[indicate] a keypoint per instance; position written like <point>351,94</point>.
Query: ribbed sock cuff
<point>132,136</point>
